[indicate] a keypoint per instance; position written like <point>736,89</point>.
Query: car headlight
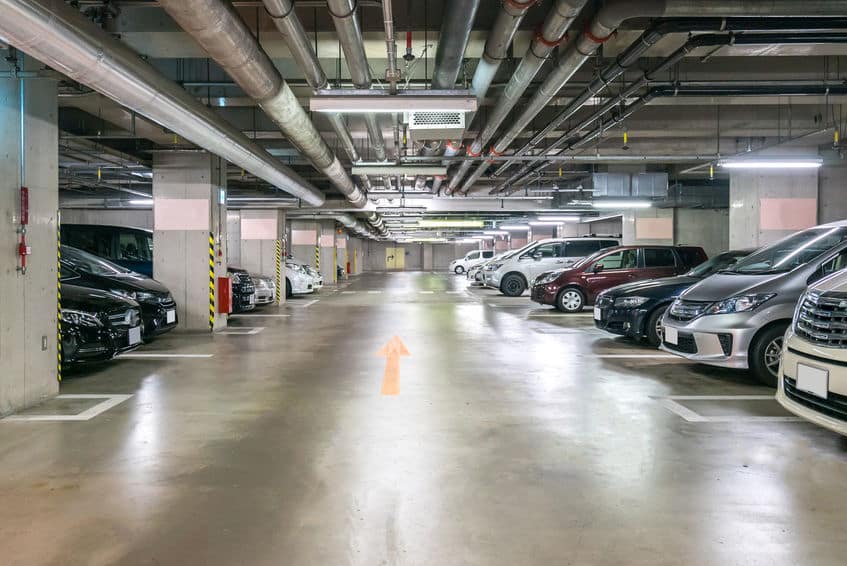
<point>630,302</point>
<point>235,277</point>
<point>741,303</point>
<point>493,266</point>
<point>545,278</point>
<point>80,318</point>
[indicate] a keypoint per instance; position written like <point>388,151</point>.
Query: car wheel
<point>765,352</point>
<point>513,285</point>
<point>653,328</point>
<point>570,299</point>
<point>288,292</point>
<point>459,270</point>
<point>478,277</point>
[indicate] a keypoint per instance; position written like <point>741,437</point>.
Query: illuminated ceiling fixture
<point>514,227</point>
<point>616,204</point>
<point>450,223</point>
<point>558,219</point>
<point>495,232</point>
<point>545,222</point>
<point>381,102</point>
<point>772,163</point>
<point>141,202</point>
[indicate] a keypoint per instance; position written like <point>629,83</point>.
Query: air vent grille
<point>435,125</point>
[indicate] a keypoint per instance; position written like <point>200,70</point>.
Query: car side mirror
<point>598,267</point>
<point>537,256</point>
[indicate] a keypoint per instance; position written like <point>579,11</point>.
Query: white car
<point>514,273</point>
<point>265,289</point>
<point>461,265</point>
<point>813,370</point>
<point>317,278</point>
<point>297,280</point>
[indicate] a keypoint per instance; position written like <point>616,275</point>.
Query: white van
<point>514,273</point>
<point>461,265</point>
<point>813,370</point>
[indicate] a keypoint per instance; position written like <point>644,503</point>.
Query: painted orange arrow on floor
<point>392,351</point>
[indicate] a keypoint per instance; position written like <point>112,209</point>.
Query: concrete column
<point>765,206</point>
<point>832,192</point>
<point>187,213</point>
<point>648,226</point>
<point>326,241</point>
<point>28,157</point>
<point>258,234</point>
<point>342,243</point>
<point>705,227</point>
<point>427,257</point>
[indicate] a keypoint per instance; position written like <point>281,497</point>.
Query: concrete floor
<point>515,439</point>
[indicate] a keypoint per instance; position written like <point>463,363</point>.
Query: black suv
<point>243,290</point>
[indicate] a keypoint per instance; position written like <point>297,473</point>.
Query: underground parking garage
<point>423,282</point>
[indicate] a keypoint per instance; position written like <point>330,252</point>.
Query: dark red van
<point>569,290</point>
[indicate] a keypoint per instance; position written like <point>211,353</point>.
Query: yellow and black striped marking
<point>318,257</point>
<point>211,281</point>
<point>58,301</point>
<point>278,298</point>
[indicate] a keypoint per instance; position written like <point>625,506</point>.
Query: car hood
<point>725,285</point>
<point>654,288</point>
<point>92,300</point>
<point>129,282</point>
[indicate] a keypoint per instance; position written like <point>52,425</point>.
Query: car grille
<point>822,319</point>
<point>127,318</point>
<point>687,310</point>
<point>685,344</point>
<point>726,343</point>
<point>834,405</point>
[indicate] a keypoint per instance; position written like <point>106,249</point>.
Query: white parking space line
<point>348,292</point>
<point>671,403</point>
<point>108,402</point>
<point>426,292</point>
<point>304,305</point>
<point>154,356</point>
<point>374,292</point>
<point>242,330</point>
<point>562,315</point>
<point>258,315</point>
<point>454,292</point>
<point>642,356</point>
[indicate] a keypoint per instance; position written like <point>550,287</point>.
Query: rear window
<point>691,256</point>
<point>658,257</point>
<point>488,254</point>
<point>582,248</point>
<point>608,243</point>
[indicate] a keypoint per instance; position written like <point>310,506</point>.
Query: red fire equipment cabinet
<point>224,295</point>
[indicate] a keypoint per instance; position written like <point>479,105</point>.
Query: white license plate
<point>252,299</point>
<point>134,335</point>
<point>598,314</point>
<point>813,380</point>
<point>671,335</point>
<point>170,316</point>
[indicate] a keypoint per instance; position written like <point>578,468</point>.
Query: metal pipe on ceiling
<point>61,37</point>
<point>551,34</point>
<point>221,32</point>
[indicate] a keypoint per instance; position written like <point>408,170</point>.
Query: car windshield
<point>790,252</point>
<point>84,261</point>
<point>592,257</point>
<point>513,253</point>
<point>715,264</point>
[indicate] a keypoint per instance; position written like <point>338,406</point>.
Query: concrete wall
<point>416,255</point>
<point>28,349</point>
<point>109,217</point>
<point>708,228</point>
<point>832,193</point>
<point>636,223</point>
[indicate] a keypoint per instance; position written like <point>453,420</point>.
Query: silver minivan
<point>737,317</point>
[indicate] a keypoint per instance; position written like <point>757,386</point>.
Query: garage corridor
<point>517,435</point>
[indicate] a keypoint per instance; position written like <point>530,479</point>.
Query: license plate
<point>598,314</point>
<point>813,380</point>
<point>252,299</point>
<point>170,316</point>
<point>671,335</point>
<point>134,335</point>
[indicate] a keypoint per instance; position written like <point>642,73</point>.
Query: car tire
<point>570,300</point>
<point>651,330</point>
<point>764,354</point>
<point>288,292</point>
<point>458,270</point>
<point>513,285</point>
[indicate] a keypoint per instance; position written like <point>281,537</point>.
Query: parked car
<point>158,309</point>
<point>317,278</point>
<point>297,280</point>
<point>737,317</point>
<point>813,372</point>
<point>96,325</point>
<point>243,290</point>
<point>265,289</point>
<point>128,247</point>
<point>514,273</point>
<point>635,309</point>
<point>472,258</point>
<point>476,273</point>
<point>569,290</point>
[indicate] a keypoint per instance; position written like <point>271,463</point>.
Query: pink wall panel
<point>787,213</point>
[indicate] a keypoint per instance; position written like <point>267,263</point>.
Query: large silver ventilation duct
<point>552,32</point>
<point>349,32</point>
<point>614,12</point>
<point>59,36</point>
<point>221,32</point>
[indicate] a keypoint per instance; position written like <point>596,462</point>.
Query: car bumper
<point>544,294</point>
<point>625,322</point>
<point>719,340</point>
<point>87,345</point>
<point>243,302</point>
<point>301,286</point>
<point>829,412</point>
<point>156,319</point>
<point>264,296</point>
<point>492,279</point>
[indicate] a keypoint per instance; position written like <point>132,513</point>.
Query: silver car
<point>265,288</point>
<point>737,317</point>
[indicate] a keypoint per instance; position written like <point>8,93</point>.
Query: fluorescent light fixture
<point>383,169</point>
<point>482,237</point>
<point>496,233</point>
<point>141,202</point>
<point>468,241</point>
<point>514,227</point>
<point>450,223</point>
<point>558,219</point>
<point>544,223</point>
<point>776,163</point>
<point>622,204</point>
<point>382,102</point>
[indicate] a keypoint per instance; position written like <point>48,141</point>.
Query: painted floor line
<point>374,292</point>
<point>242,330</point>
<point>108,402</point>
<point>307,304</point>
<point>426,292</point>
<point>640,356</point>
<point>154,356</point>
<point>721,397</point>
<point>348,292</point>
<point>692,416</point>
<point>258,315</point>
